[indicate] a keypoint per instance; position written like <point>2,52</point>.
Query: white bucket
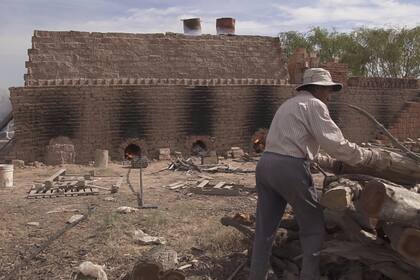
<point>6,175</point>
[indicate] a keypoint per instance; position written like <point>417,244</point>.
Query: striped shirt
<point>302,125</point>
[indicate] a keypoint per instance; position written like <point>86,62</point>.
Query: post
<point>101,158</point>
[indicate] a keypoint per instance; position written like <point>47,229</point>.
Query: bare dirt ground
<point>190,224</point>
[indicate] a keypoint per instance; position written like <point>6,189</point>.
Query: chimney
<point>192,26</point>
<point>225,26</point>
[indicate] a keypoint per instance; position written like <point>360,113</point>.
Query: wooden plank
<point>219,185</point>
<point>176,183</point>
<point>61,194</point>
<point>55,176</point>
<point>213,191</point>
<point>203,184</point>
<point>177,186</point>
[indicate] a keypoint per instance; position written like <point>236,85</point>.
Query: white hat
<point>320,77</point>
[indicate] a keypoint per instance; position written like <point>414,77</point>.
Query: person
<point>301,125</point>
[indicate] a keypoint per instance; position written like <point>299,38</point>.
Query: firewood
<point>350,227</point>
<point>405,241</point>
<point>391,204</point>
<point>401,170</point>
<point>375,257</point>
<point>340,195</point>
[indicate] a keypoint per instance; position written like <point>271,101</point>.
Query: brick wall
<point>110,114</point>
<point>74,55</point>
<point>154,115</point>
<point>407,125</point>
<point>384,103</point>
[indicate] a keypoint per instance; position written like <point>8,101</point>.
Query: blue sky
<point>18,19</point>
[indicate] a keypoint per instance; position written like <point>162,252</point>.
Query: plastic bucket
<point>6,175</point>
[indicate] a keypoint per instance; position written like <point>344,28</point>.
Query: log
<point>401,169</point>
<point>375,257</point>
<point>405,241</point>
<point>350,227</point>
<point>391,204</point>
<point>283,235</point>
<point>340,195</point>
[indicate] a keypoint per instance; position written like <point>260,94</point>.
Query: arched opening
<point>198,148</point>
<point>132,151</point>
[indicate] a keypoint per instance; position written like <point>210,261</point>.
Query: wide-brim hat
<point>319,77</point>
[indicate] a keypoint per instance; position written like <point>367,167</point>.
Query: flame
<point>129,156</point>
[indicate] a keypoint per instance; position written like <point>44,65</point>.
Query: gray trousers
<point>281,180</point>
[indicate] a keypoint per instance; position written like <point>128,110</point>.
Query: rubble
<point>145,239</point>
<point>18,163</point>
<point>88,268</point>
<point>164,154</point>
<point>74,219</point>
<point>126,209</point>
<point>235,152</point>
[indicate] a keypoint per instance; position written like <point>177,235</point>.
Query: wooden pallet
<point>33,193</point>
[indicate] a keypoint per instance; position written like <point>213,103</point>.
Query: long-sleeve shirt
<point>302,125</point>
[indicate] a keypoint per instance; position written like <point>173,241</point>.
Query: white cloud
<point>342,12</point>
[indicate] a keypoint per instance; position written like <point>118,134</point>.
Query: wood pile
<point>61,184</point>
<point>188,165</point>
<point>372,223</point>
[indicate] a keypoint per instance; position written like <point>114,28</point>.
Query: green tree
<point>369,52</point>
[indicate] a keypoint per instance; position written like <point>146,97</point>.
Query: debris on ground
<point>62,210</point>
<point>75,218</point>
<point>17,163</point>
<point>59,184</point>
<point>206,187</point>
<point>181,164</point>
<point>152,270</point>
<point>164,154</point>
<point>144,239</point>
<point>88,268</point>
<point>109,198</point>
<point>235,152</point>
<point>34,224</point>
<point>126,209</point>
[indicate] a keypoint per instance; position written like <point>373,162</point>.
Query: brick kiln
<point>141,92</point>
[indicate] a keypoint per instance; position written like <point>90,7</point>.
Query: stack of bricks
<point>339,71</point>
<point>299,62</point>
<point>74,55</point>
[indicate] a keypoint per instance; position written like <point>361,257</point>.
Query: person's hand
<point>377,159</point>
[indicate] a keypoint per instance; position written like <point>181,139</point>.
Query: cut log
<point>228,221</point>
<point>405,241</point>
<point>391,204</point>
<point>340,195</point>
<point>376,257</point>
<point>401,169</point>
<point>350,227</point>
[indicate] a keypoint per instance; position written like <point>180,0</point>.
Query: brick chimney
<point>225,26</point>
<point>192,26</point>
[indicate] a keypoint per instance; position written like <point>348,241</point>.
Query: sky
<point>18,19</point>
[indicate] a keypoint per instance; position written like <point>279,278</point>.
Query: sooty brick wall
<point>385,99</point>
<point>74,55</point>
<point>153,116</point>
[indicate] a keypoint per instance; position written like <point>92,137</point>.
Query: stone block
<point>59,154</point>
